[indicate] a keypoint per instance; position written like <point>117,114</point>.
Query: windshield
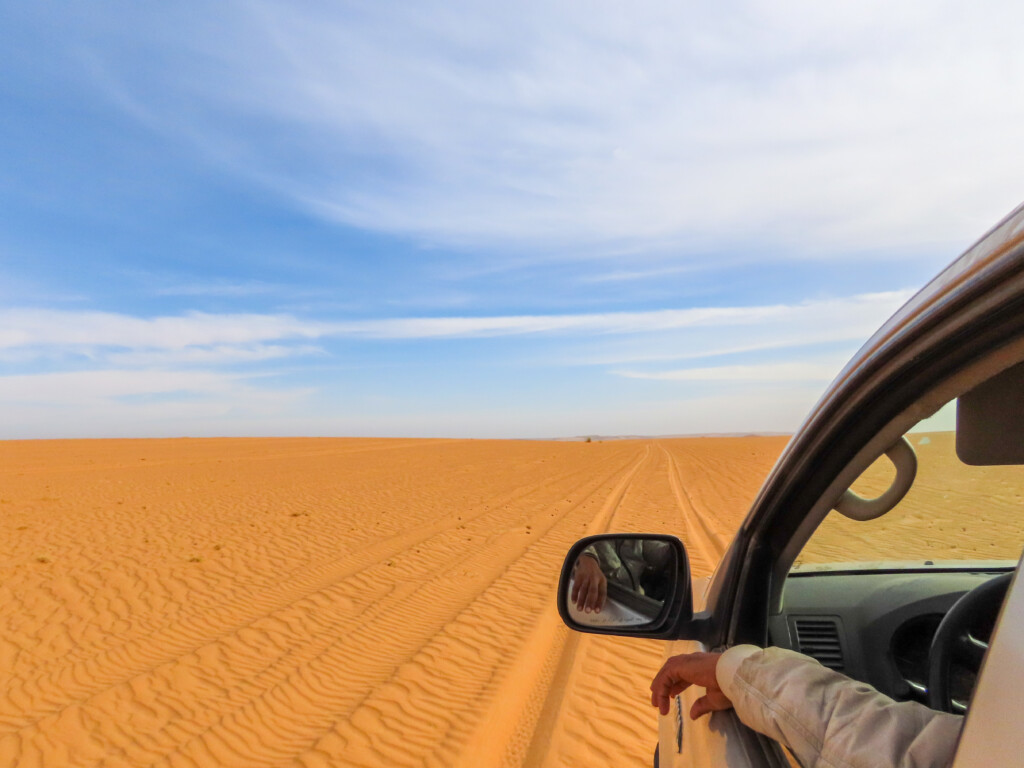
<point>953,512</point>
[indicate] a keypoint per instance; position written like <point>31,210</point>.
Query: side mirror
<point>626,584</point>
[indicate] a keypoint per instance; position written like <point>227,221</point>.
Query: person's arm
<point>827,719</point>
<point>604,551</point>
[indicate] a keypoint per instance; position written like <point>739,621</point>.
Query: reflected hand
<point>679,673</point>
<point>590,587</point>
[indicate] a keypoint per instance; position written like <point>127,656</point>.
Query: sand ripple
<point>333,602</point>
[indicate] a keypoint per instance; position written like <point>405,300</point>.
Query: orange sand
<point>334,602</point>
<point>952,511</point>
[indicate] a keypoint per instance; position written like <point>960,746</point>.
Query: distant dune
<point>324,602</point>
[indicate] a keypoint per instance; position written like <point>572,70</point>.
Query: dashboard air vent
<point>819,639</point>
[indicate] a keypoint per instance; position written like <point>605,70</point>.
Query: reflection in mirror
<point>619,582</point>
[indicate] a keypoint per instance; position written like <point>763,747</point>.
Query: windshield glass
<point>953,512</point>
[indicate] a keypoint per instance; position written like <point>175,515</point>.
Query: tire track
<point>74,683</point>
<point>616,670</point>
<point>394,621</point>
<point>486,747</point>
<point>573,656</point>
<point>705,546</point>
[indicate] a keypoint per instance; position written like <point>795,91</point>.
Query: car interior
<point>901,586</point>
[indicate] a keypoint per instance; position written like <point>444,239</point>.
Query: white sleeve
<point>829,720</point>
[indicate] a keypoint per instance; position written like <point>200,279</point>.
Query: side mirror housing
<point>630,584</point>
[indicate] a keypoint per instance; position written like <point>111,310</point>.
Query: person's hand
<point>590,587</point>
<point>679,673</point>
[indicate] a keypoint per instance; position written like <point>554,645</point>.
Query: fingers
<point>679,673</point>
<point>662,698</point>
<point>668,682</point>
<point>662,703</point>
<point>585,593</point>
<point>583,588</point>
<point>590,587</point>
<point>700,708</point>
<point>712,701</point>
<point>593,594</point>
<point>583,579</point>
<point>596,594</point>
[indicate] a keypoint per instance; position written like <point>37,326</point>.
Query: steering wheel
<point>953,640</point>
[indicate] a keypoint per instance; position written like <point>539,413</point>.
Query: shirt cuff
<point>729,663</point>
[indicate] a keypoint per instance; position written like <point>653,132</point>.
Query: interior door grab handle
<point>855,507</point>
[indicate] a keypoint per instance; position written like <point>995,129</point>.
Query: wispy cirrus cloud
<point>848,321</point>
<point>150,402</point>
<point>216,355</point>
<point>436,203</point>
<point>837,314</point>
<point>42,328</point>
<point>738,123</point>
<point>630,275</point>
<point>218,288</point>
<point>85,386</point>
<point>773,372</point>
<point>35,328</point>
<point>195,373</point>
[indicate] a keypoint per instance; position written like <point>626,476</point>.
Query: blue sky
<point>455,219</point>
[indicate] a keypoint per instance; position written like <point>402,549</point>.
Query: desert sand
<point>303,602</point>
<point>333,602</point>
<point>952,511</point>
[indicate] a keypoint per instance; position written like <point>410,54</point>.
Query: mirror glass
<point>621,581</point>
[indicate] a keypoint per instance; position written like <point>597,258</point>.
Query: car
<point>885,541</point>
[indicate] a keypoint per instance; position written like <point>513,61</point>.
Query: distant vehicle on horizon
<point>894,575</point>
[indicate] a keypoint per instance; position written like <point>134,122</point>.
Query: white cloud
<point>820,128</point>
<point>597,323</point>
<point>47,327</point>
<point>176,375</point>
<point>213,355</point>
<point>208,337</point>
<point>837,314</point>
<point>219,288</point>
<point>847,321</point>
<point>148,403</point>
<point>773,372</point>
<point>628,275</point>
<point>85,386</point>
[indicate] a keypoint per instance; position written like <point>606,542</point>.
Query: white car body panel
<point>992,736</point>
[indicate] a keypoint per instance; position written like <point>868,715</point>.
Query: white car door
<point>992,735</point>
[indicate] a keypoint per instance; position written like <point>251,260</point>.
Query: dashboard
<point>877,626</point>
